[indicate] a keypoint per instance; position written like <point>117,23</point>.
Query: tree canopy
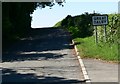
<point>16,19</point>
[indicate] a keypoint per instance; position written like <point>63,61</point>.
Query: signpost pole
<point>96,35</point>
<point>105,33</point>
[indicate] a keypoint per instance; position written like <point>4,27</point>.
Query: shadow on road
<point>38,42</point>
<point>16,78</point>
<point>26,57</point>
<point>41,45</point>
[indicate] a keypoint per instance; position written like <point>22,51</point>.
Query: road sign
<point>100,20</point>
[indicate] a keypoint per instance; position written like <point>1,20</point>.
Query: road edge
<point>84,71</point>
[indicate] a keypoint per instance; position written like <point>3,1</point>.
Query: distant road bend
<point>44,57</point>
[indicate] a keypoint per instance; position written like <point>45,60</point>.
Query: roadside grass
<point>103,51</point>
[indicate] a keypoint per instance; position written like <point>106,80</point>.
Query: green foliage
<point>114,23</point>
<point>74,31</point>
<point>112,29</point>
<point>58,24</point>
<point>79,26</point>
<point>104,51</point>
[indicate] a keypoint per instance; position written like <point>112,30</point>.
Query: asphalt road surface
<point>46,56</point>
<point>101,71</point>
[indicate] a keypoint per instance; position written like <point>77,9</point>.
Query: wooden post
<point>105,33</point>
<point>96,35</point>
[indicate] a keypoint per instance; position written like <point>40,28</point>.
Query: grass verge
<point>104,51</point>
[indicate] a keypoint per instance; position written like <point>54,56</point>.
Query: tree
<point>16,19</point>
<point>79,26</point>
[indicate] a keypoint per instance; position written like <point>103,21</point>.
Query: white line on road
<point>84,71</point>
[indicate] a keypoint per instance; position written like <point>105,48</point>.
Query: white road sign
<point>100,20</point>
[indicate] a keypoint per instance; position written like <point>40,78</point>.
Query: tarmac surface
<point>101,71</point>
<point>47,56</point>
<point>44,57</point>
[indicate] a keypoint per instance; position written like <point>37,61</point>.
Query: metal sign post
<point>100,20</point>
<point>96,35</point>
<point>105,34</point>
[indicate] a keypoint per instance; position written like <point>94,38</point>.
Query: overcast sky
<point>47,17</point>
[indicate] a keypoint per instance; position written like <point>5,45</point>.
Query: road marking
<point>84,71</point>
